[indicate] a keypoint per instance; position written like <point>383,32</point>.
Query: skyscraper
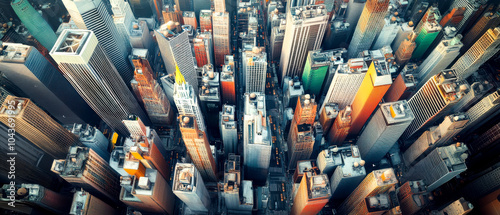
<point>256,138</point>
<point>27,68</point>
<point>405,50</point>
<point>388,32</point>
<point>412,196</point>
<point>91,204</point>
<point>276,40</point>
<point>172,14</point>
<point>203,49</point>
<point>198,147</point>
<point>470,6</point>
<point>404,30</point>
<point>176,52</point>
<point>460,206</point>
<point>122,18</point>
<point>228,130</point>
<point>188,186</point>
<point>186,100</point>
<point>341,126</point>
<point>84,63</point>
<point>228,81</point>
<point>306,26</point>
<point>373,88</point>
<point>312,195</point>
<point>221,31</point>
<point>483,110</point>
<point>86,169</point>
<point>93,15</point>
<point>383,130</point>
<point>337,35</point>
<point>205,20</point>
<point>487,21</point>
<point>433,100</point>
<point>190,19</point>
<point>348,170</point>
<point>155,101</point>
<point>91,137</point>
<point>37,126</point>
<point>427,29</point>
<point>316,68</point>
<point>369,26</point>
<point>232,182</point>
<point>301,138</point>
<point>402,87</point>
<point>440,166</point>
<point>293,90</point>
<point>482,50</point>
<point>454,17</point>
<point>328,116</point>
<point>374,183</point>
<point>34,22</point>
<point>254,68</point>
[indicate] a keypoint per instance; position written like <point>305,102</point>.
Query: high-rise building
<point>482,50</point>
<point>383,130</point>
<point>276,40</point>
<point>232,182</point>
<point>345,83</point>
<point>440,58</point>
<point>86,203</point>
<point>460,206</point>
<point>433,101</point>
<point>210,98</point>
<point>93,15</point>
<point>85,64</point>
<point>388,32</point>
<point>412,196</point>
<point>256,138</point>
<point>38,199</point>
<point>198,147</point>
<point>301,138</point>
<point>188,186</point>
<point>377,182</point>
<point>328,116</point>
<point>369,26</point>
<point>402,87</point>
<point>176,52</point>
<point>122,18</point>
<point>37,126</point>
<point>154,99</point>
<point>172,14</point>
<point>220,5</point>
<point>436,136</point>
<point>28,69</point>
<point>189,18</point>
<point>229,133</point>
<point>228,81</point>
<point>373,88</point>
<point>427,29</point>
<point>86,169</point>
<point>440,166</point>
<point>483,110</point>
<point>306,26</point>
<point>205,20</point>
<point>186,100</point>
<point>470,7</point>
<point>341,126</point>
<point>293,90</point>
<point>203,49</point>
<point>222,35</point>
<point>404,30</point>
<point>487,21</point>
<point>316,68</point>
<point>91,137</point>
<point>139,36</point>
<point>34,22</point>
<point>353,13</point>
<point>346,167</point>
<point>254,69</point>
<point>378,204</point>
<point>312,195</point>
<point>453,17</point>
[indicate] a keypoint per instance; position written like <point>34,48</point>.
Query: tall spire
<point>179,78</point>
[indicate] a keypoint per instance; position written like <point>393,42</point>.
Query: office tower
<point>277,36</point>
<point>34,22</point>
<point>383,130</point>
<point>302,167</point>
<point>440,165</point>
<point>378,204</point>
<point>222,35</point>
<point>186,100</point>
<point>470,6</point>
<point>485,184</point>
<point>374,86</point>
<point>405,49</point>
<point>458,207</point>
<point>319,140</point>
<point>27,68</point>
<point>402,87</point>
<point>254,68</point>
<point>91,137</point>
<point>433,100</point>
<point>210,98</point>
<point>154,192</point>
<point>369,26</point>
<point>487,21</point>
<point>92,15</point>
<point>346,82</point>
<point>328,116</point>
<point>188,186</point>
<point>220,5</point>
<point>256,138</point>
<point>301,138</point>
<point>484,110</point>
<point>189,18</point>
<point>482,50</point>
<point>198,147</point>
<point>341,126</point>
<point>377,182</point>
<point>228,81</point>
<point>232,179</point>
<point>453,17</point>
<point>427,29</point>
<point>203,49</point>
<point>337,35</point>
<point>436,136</point>
<point>404,30</point>
<point>328,160</point>
<point>348,170</point>
<point>312,195</point>
<point>86,169</point>
<point>37,126</point>
<point>122,17</point>
<point>353,13</point>
<point>84,63</point>
<point>439,59</point>
<point>139,36</point>
<point>205,20</point>
<point>172,14</point>
<point>36,198</point>
<point>228,129</point>
<point>293,90</point>
<point>306,26</point>
<point>388,32</point>
<point>85,203</point>
<point>154,99</point>
<point>176,52</point>
<point>315,70</point>
<point>412,196</point>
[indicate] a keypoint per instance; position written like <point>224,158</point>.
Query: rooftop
<point>318,186</point>
<point>331,110</point>
<point>184,177</point>
<point>385,176</point>
<point>397,112</point>
<point>71,41</point>
<point>301,13</point>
